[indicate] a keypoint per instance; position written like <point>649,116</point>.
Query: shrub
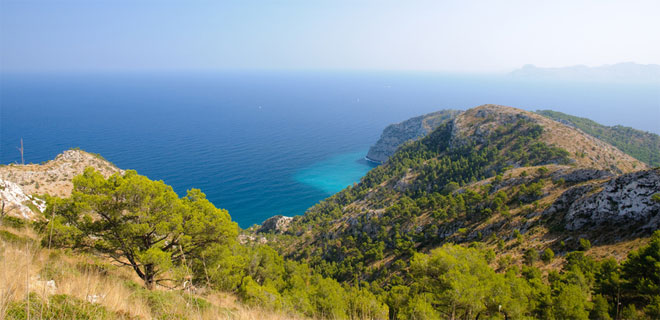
<point>168,304</point>
<point>519,236</point>
<point>547,255</point>
<point>13,222</point>
<point>530,256</point>
<point>585,244</point>
<point>254,294</point>
<point>656,197</point>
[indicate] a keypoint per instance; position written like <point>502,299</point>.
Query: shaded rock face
<point>581,175</point>
<point>570,196</point>
<point>624,201</point>
<point>397,134</point>
<point>276,224</point>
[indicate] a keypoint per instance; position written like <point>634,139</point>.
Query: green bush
<point>254,294</point>
<point>57,269</point>
<point>530,256</point>
<point>547,255</point>
<point>166,304</point>
<point>14,238</point>
<point>656,197</point>
<point>585,244</point>
<point>13,222</point>
<point>57,307</point>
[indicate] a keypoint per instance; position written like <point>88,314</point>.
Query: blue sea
<point>266,143</point>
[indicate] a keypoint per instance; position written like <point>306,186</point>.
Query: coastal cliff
<point>397,134</point>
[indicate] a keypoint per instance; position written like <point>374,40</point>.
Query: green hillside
<point>396,231</point>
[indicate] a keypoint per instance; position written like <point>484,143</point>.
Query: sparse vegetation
<point>656,197</point>
<point>64,285</point>
<point>644,146</point>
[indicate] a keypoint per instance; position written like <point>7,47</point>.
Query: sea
<point>265,143</point>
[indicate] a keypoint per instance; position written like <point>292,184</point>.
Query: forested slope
<point>506,183</point>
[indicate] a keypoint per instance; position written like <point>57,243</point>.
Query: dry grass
<point>244,312</point>
<point>26,267</point>
<point>106,291</point>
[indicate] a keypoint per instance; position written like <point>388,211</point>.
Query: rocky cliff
<point>276,224</point>
<point>626,200</point>
<point>397,134</point>
<point>19,183</point>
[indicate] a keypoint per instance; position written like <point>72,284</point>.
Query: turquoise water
<point>335,173</point>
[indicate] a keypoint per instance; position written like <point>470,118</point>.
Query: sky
<point>451,36</point>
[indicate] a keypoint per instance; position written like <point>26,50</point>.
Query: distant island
<point>627,71</point>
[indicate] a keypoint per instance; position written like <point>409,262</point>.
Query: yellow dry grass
<point>26,267</point>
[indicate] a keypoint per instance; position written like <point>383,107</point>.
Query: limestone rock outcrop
<point>16,203</point>
<point>55,176</point>
<point>276,224</point>
<point>624,200</point>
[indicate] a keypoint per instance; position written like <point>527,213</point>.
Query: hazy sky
<point>470,36</point>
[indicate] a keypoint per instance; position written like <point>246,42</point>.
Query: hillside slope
<point>54,177</point>
<point>20,185</point>
<point>644,146</point>
<point>585,150</point>
<point>493,174</point>
<point>74,285</point>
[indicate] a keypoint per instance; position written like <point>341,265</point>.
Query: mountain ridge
<point>644,146</point>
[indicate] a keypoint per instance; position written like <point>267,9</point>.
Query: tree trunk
<point>149,276</point>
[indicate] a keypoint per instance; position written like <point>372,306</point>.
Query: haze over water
<point>266,143</point>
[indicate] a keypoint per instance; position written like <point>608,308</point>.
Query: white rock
<point>14,199</point>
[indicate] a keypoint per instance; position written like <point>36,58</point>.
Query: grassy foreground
<point>42,283</point>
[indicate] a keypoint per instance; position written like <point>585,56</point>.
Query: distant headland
<point>627,71</point>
